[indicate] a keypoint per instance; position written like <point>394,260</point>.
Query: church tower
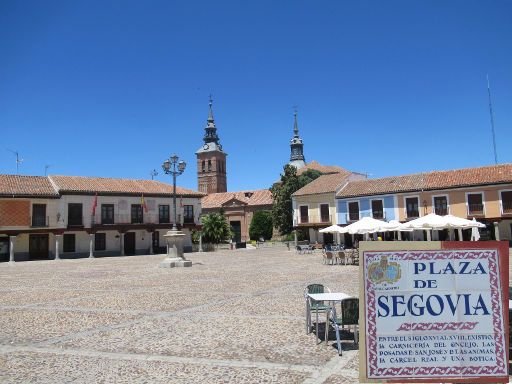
<point>296,147</point>
<point>211,160</point>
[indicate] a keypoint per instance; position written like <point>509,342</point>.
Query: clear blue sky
<point>112,88</point>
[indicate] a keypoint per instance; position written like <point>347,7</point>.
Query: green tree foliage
<point>215,228</point>
<point>261,225</point>
<point>282,212</point>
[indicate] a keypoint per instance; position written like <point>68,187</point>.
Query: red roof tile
<point>324,184</point>
<point>494,174</point>
<point>257,198</point>
<point>77,184</point>
<point>325,169</point>
<point>16,185</point>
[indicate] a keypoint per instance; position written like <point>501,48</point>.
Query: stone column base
<point>172,262</point>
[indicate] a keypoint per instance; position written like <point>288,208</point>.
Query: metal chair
<point>314,305</point>
<point>342,256</point>
<point>349,317</point>
<point>329,257</point>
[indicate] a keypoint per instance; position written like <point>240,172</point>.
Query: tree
<point>215,228</point>
<point>282,212</point>
<point>261,225</point>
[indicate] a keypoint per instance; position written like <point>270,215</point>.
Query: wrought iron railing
<point>475,209</point>
<point>40,221</point>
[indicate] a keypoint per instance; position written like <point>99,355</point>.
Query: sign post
<point>434,312</point>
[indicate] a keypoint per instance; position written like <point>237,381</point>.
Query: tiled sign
<point>434,314</point>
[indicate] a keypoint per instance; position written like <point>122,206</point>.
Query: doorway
<point>38,246</point>
<point>129,243</point>
<point>4,249</point>
<point>236,227</point>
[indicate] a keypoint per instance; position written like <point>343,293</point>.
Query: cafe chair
<point>316,306</point>
<point>349,317</point>
<point>355,257</point>
<point>342,257</point>
<point>329,257</point>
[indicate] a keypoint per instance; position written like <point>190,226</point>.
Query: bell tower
<point>296,147</point>
<point>211,160</point>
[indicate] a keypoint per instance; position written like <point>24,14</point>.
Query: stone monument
<point>175,257</point>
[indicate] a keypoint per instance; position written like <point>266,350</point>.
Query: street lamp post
<point>174,237</point>
<point>169,166</point>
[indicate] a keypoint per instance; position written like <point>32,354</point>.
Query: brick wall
<point>14,213</point>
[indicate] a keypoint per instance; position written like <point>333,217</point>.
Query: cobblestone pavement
<point>234,317</point>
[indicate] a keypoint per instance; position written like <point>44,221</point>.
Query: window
<point>107,213</point>
<point>188,214</point>
<point>377,209</point>
<point>39,215</point>
<point>137,215</point>
<point>203,166</point>
<point>506,202</point>
<point>324,213</point>
<point>412,207</point>
<point>440,205</point>
<point>475,204</point>
<point>353,211</point>
<point>100,241</point>
<point>163,214</point>
<point>75,214</point>
<point>304,214</point>
<point>69,242</point>
<point>209,165</point>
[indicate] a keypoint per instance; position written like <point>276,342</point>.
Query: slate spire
<point>296,146</point>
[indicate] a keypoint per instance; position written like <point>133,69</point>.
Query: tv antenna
<point>18,160</point>
<point>492,122</point>
<point>153,173</point>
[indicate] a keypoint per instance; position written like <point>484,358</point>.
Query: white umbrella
<point>430,221</point>
<point>333,229</point>
<point>366,225</point>
<point>459,222</point>
<point>395,225</point>
<point>427,222</point>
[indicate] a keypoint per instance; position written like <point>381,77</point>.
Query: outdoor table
<point>331,297</point>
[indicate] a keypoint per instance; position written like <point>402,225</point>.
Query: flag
<point>143,203</point>
<point>94,205</point>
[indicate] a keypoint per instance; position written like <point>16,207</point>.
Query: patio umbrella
<point>427,222</point>
<point>333,229</point>
<point>395,225</point>
<point>459,222</point>
<point>430,221</point>
<point>367,225</point>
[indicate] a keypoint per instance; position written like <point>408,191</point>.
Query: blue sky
<point>112,88</point>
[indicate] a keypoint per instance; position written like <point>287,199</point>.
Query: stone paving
<point>234,317</point>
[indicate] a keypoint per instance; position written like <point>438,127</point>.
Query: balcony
<point>352,217</point>
<point>441,211</point>
<point>147,218</point>
<point>125,219</point>
<point>507,207</point>
<point>315,219</point>
<point>40,221</point>
<point>74,222</point>
<point>475,209</point>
